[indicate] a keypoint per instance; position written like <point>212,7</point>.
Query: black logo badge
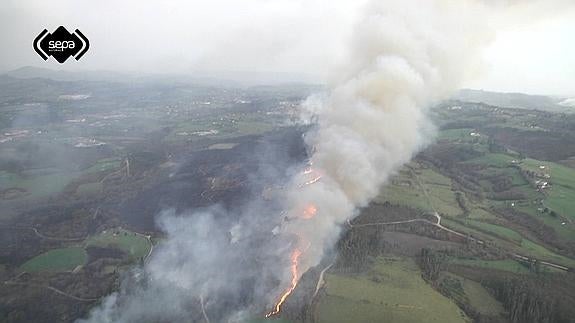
<point>61,44</point>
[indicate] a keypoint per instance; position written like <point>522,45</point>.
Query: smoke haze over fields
<point>403,57</point>
<point>385,63</point>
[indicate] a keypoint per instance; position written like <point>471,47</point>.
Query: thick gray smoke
<point>404,56</point>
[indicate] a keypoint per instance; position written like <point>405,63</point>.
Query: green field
<point>66,259</point>
<point>63,259</point>
<point>402,195</point>
<point>493,229</point>
<point>497,233</point>
<point>566,232</point>
<point>535,250</point>
<point>439,192</point>
<point>135,245</point>
<point>561,196</point>
<point>478,213</point>
<point>218,128</point>
<point>42,183</point>
<point>462,135</point>
<point>89,188</point>
<point>505,265</point>
<point>493,160</point>
<point>392,291</point>
<point>408,189</point>
<point>424,188</point>
<point>472,293</point>
<point>454,134</point>
<point>480,299</point>
<point>37,186</point>
<point>249,127</point>
<point>457,226</point>
<point>105,164</point>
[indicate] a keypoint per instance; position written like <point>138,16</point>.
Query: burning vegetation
<point>294,280</point>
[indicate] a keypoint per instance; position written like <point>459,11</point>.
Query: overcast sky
<point>533,50</point>
<point>533,57</point>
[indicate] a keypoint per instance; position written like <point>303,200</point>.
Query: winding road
<point>321,281</point>
<point>438,224</point>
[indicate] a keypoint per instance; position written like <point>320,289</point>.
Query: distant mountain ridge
<point>512,100</point>
<point>27,72</point>
<point>231,79</point>
<point>506,100</point>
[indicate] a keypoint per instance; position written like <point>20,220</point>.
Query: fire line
<point>294,280</point>
<point>309,212</point>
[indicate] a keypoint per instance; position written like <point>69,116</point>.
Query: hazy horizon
<point>237,77</point>
<point>530,50</point>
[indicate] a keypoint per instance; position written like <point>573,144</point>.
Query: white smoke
<point>404,57</point>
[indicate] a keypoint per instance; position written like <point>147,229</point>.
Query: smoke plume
<point>403,57</point>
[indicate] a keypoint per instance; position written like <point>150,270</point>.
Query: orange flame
<point>294,280</point>
<point>309,212</point>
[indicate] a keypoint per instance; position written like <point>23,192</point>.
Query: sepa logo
<point>61,44</point>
